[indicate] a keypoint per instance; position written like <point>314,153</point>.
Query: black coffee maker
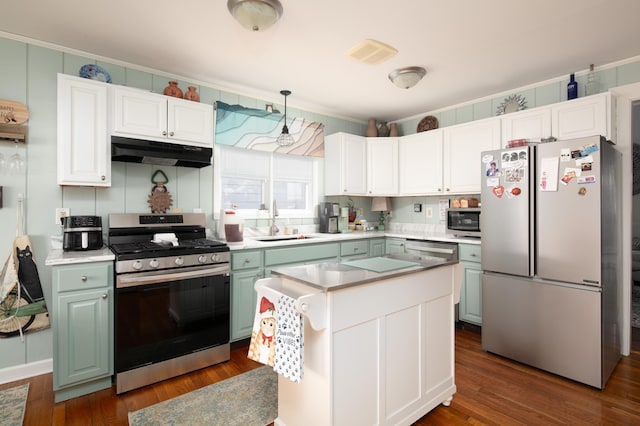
<point>328,214</point>
<point>81,233</point>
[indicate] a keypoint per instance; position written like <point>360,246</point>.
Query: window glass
<point>251,179</point>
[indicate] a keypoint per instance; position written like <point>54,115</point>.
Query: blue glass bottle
<point>572,88</point>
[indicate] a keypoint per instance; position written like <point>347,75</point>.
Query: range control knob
<point>215,257</point>
<point>179,261</point>
<point>202,258</point>
<point>137,265</point>
<point>154,263</point>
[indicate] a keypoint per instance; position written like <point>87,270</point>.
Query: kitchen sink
<point>283,238</point>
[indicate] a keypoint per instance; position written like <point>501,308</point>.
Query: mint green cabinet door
<point>471,294</point>
<point>394,245</point>
<point>377,247</point>
<point>243,302</point>
<point>83,336</point>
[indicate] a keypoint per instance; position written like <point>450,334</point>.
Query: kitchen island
<point>378,340</point>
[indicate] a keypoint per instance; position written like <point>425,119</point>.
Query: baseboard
<point>24,371</point>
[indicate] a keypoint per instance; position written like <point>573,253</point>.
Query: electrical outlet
<point>429,212</point>
<point>417,208</point>
<point>60,213</point>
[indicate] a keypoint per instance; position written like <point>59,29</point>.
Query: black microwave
<point>464,222</point>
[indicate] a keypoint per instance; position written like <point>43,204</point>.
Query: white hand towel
<point>289,360</point>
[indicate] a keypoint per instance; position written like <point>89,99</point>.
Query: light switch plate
<point>429,212</point>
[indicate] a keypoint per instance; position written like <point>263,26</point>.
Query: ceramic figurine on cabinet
<point>191,94</point>
<point>173,90</point>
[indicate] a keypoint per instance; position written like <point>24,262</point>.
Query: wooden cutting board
<point>12,112</point>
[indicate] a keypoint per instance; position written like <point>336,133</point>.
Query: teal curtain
<point>257,129</point>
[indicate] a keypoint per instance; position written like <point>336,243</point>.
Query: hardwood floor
<point>491,391</point>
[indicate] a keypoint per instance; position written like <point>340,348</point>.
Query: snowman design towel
<point>289,359</point>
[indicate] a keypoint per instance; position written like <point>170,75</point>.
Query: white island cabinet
<point>378,346</point>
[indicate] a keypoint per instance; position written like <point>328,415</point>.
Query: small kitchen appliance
<point>328,214</point>
<point>81,233</point>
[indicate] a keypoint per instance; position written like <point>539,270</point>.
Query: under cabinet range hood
<point>160,153</point>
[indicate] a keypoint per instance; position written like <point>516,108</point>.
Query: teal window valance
<point>257,129</point>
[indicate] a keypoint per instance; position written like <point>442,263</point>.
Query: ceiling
<point>471,49</point>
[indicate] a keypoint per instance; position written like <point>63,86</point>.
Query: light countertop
<point>60,257</point>
<point>254,243</point>
<point>335,276</point>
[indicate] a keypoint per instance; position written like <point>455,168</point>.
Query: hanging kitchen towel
<point>262,347</point>
<point>289,340</point>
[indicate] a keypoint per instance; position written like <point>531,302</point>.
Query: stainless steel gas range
<point>172,297</point>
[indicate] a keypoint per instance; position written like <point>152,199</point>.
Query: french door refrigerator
<point>551,256</point>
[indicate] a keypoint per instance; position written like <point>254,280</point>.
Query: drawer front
<point>351,248</point>
<point>300,254</point>
<point>84,276</point>
<point>246,260</point>
<point>469,252</point>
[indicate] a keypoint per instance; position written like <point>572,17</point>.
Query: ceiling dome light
<point>285,139</point>
<point>406,78</point>
<point>255,15</point>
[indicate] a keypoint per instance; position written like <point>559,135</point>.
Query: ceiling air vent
<point>371,52</point>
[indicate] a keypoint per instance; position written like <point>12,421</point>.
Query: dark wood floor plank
<point>491,390</point>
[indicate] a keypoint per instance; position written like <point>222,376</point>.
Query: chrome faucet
<point>274,212</point>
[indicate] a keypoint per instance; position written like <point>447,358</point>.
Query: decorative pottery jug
<point>173,90</point>
<point>383,131</point>
<point>372,128</point>
<point>393,131</point>
<point>192,95</point>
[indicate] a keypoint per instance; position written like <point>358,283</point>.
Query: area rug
<point>635,306</point>
<point>12,404</point>
<point>248,399</point>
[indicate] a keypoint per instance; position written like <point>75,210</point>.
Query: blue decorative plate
<point>95,72</point>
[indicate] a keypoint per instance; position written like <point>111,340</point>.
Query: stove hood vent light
<point>159,153</point>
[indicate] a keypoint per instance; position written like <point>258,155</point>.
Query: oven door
<point>162,315</point>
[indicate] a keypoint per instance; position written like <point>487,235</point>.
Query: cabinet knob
<point>170,133</point>
<point>104,296</point>
<point>447,189</point>
<point>472,255</point>
<point>164,133</point>
<point>439,189</point>
<point>103,177</point>
<point>84,278</point>
<point>247,261</point>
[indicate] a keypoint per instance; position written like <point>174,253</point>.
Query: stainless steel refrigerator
<point>551,227</point>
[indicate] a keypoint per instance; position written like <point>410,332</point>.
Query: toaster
<point>81,233</point>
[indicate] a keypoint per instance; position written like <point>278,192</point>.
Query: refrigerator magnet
<point>582,191</point>
<point>589,149</point>
<point>565,155</point>
<point>493,181</point>
<point>498,191</point>
<point>549,174</point>
<point>586,179</point>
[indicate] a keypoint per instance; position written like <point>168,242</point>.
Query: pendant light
<point>285,139</point>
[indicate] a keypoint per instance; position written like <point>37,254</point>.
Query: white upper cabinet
<point>462,160</point>
<point>580,117</point>
<point>137,113</point>
<point>382,166</point>
<point>345,158</point>
<point>533,125</point>
<point>420,163</point>
<point>84,151</point>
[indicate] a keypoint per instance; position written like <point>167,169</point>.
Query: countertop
<point>335,276</point>
<point>310,238</point>
<point>60,257</point>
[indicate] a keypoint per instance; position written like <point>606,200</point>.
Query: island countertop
<point>335,276</point>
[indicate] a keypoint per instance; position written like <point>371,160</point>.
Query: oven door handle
<point>430,249</point>
<point>132,280</point>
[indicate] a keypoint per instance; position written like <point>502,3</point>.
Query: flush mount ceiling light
<point>255,15</point>
<point>406,78</point>
<point>285,139</point>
